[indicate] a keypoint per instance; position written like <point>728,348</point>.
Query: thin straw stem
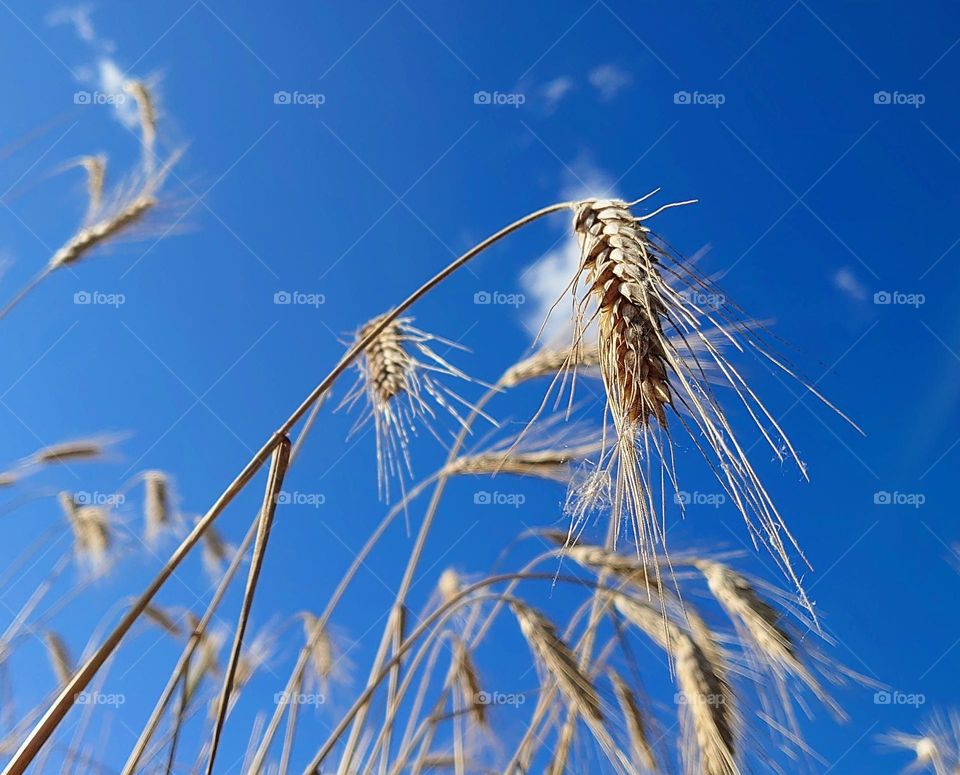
<point>278,467</point>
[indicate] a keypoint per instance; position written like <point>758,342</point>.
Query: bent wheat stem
<point>65,699</point>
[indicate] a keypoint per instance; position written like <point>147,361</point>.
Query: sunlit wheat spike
<point>77,450</point>
<point>157,506</point>
<point>759,625</point>
<point>636,724</point>
<point>216,552</point>
<point>206,659</point>
<point>91,533</point>
<point>100,231</point>
<point>321,659</point>
<point>148,118</point>
<point>658,355</point>
<point>449,585</point>
<point>558,661</point>
<point>398,379</point>
<point>162,619</point>
<point>9,478</point>
<point>253,657</point>
<point>707,702</point>
<point>936,745</point>
<point>464,673</point>
<point>59,657</point>
<point>550,361</point>
<point>548,464</point>
<point>96,169</point>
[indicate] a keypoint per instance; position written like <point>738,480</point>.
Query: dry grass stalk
<point>633,718</point>
<point>707,705</point>
<point>397,378</point>
<point>657,346</point>
<point>59,657</point>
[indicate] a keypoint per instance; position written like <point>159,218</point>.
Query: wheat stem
<point>61,705</point>
<point>278,468</point>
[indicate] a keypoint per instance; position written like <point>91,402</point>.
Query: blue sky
<point>341,151</point>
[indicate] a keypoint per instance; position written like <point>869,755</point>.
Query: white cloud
<point>546,280</point>
<point>554,91</point>
<point>78,17</point>
<point>609,80</point>
<point>850,284</point>
<point>104,75</point>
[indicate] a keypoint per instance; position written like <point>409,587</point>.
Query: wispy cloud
<point>104,74</point>
<point>554,91</point>
<point>547,279</point>
<point>846,281</point>
<point>609,80</point>
<point>79,17</point>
